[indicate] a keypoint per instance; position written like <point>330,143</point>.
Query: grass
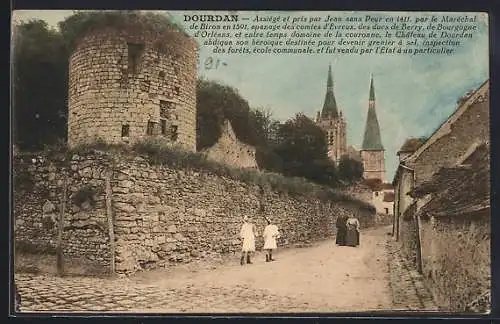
<point>161,153</point>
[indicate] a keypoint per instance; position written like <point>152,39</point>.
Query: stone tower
<point>372,151</point>
<point>331,121</point>
<point>129,83</point>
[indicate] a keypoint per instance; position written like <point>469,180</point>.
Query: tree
<point>350,170</point>
<point>40,69</point>
<point>217,102</point>
<point>303,150</point>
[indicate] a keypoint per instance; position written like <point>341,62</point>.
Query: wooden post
<point>60,229</point>
<point>109,215</point>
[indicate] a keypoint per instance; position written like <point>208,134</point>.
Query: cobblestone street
<point>320,278</point>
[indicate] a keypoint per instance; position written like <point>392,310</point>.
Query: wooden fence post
<point>60,229</point>
<point>109,215</point>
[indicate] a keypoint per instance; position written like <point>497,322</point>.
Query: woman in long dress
<point>270,234</point>
<point>352,235</point>
<point>341,229</point>
<point>247,234</point>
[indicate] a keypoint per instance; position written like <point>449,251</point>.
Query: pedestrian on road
<point>352,237</point>
<point>271,233</point>
<point>341,225</point>
<point>247,234</point>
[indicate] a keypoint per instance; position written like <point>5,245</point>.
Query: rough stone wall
<point>409,239</point>
<point>38,200</point>
<point>162,215</point>
<point>456,258</point>
<point>473,125</point>
<point>361,192</point>
<point>405,184</point>
<point>114,85</point>
<point>229,150</point>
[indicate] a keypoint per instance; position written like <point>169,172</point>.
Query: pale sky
<point>414,94</point>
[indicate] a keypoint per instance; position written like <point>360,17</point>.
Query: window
<point>163,123</point>
<point>376,193</point>
<point>134,54</point>
<point>161,75</point>
<point>173,133</point>
<point>386,210</point>
<point>125,130</point>
<point>150,128</point>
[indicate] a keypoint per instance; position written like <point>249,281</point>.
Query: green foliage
<point>215,104</point>
<point>82,22</point>
<point>40,68</point>
<point>303,150</point>
<point>350,170</point>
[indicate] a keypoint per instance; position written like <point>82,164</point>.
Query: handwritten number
<point>213,63</point>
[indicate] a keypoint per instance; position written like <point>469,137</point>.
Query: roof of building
<point>372,140</point>
<point>411,145</point>
<point>458,190</point>
<point>372,91</point>
<point>388,197</point>
<point>330,104</point>
<point>479,94</point>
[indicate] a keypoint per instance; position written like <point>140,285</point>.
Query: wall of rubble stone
<point>456,258</point>
<point>161,215</point>
<point>38,201</point>
<point>123,83</point>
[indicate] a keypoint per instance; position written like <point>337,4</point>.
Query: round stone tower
<point>128,83</point>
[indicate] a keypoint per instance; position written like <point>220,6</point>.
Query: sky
<point>414,94</point>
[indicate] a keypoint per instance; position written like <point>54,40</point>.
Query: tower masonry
<point>130,83</point>
<point>331,121</point>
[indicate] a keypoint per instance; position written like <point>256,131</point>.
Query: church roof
<point>372,140</point>
<point>330,104</point>
<point>372,91</point>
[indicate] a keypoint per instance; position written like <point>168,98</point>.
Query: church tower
<point>372,151</point>
<point>331,121</point>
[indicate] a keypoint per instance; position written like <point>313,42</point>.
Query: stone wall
<point>454,139</point>
<point>229,150</point>
<point>456,258</point>
<point>128,84</point>
<point>38,201</point>
<point>160,215</point>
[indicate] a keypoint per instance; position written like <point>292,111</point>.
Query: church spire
<point>372,140</point>
<point>330,104</point>
<point>372,90</point>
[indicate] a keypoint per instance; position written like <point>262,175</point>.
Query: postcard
<point>250,162</point>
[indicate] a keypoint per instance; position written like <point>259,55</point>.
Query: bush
<point>81,23</point>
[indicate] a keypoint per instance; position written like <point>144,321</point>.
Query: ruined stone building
<point>442,203</point>
<point>332,122</point>
<point>229,150</point>
<point>129,83</point>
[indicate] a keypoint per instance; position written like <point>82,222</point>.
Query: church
<point>331,120</point>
